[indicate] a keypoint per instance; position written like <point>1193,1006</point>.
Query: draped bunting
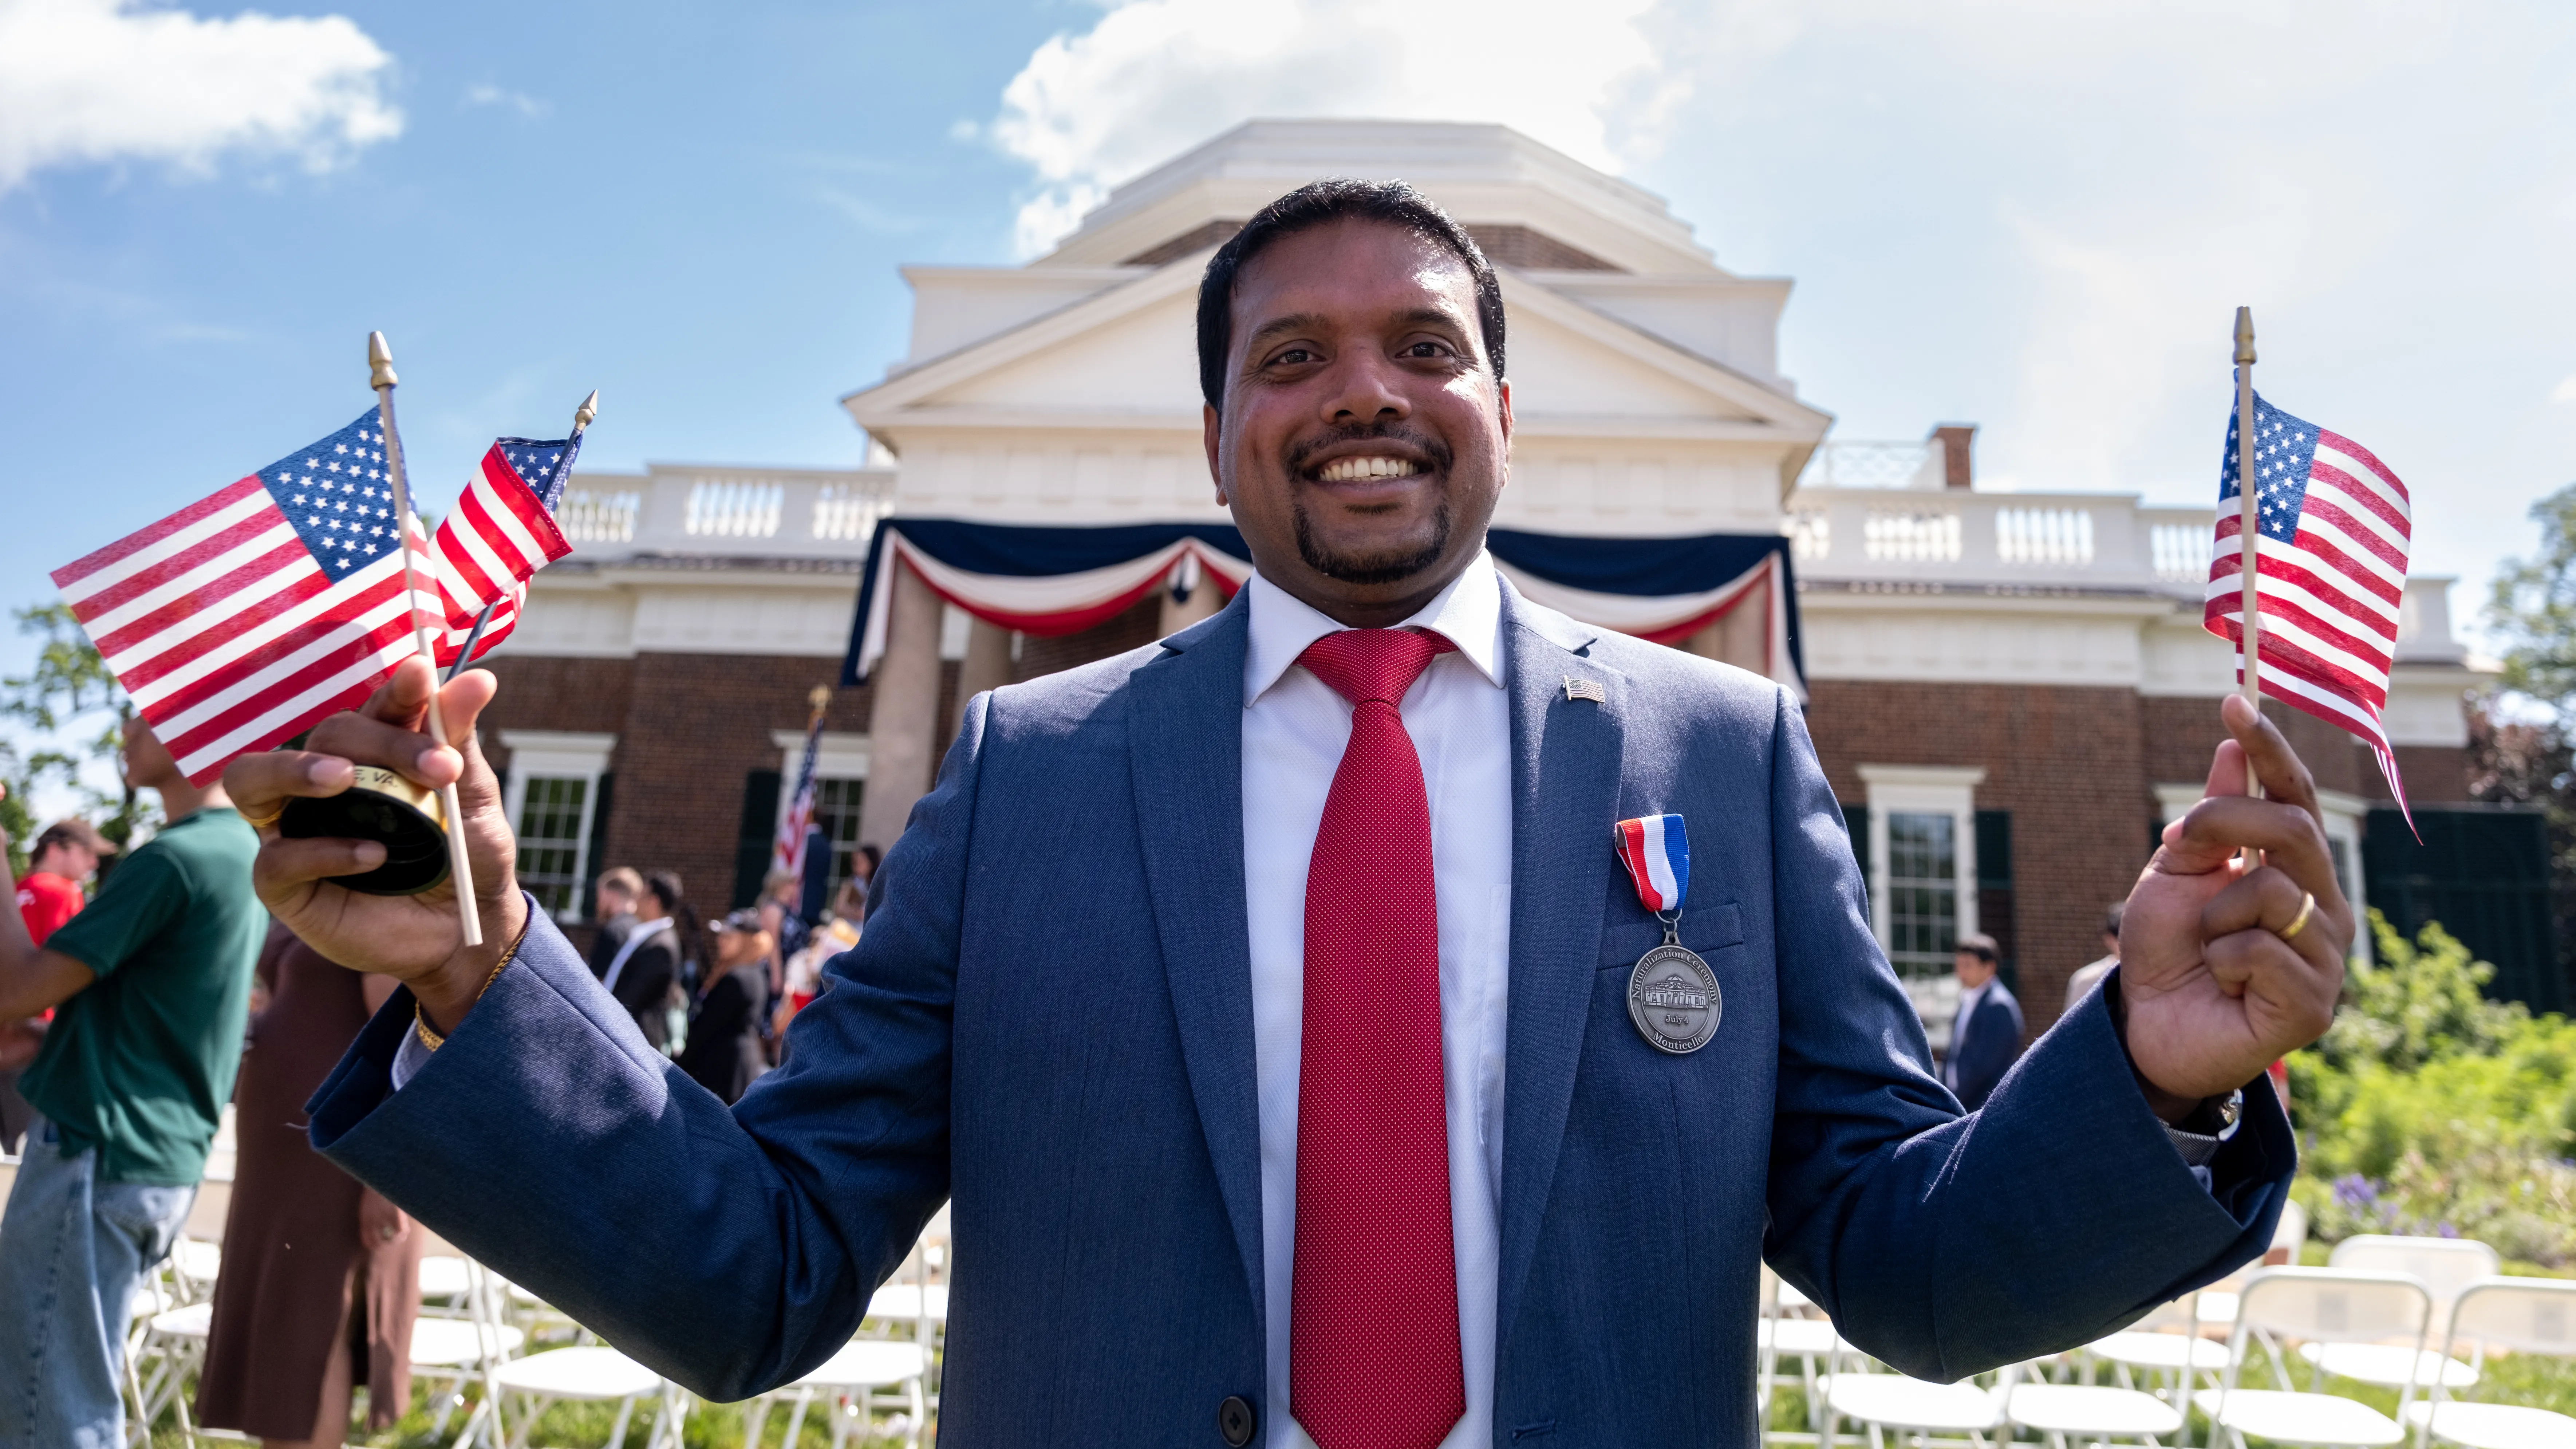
<point>1061,580</point>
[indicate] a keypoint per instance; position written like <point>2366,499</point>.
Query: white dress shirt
<point>1294,730</point>
<point>1969,1000</point>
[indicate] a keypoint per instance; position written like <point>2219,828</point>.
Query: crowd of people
<point>135,1003</point>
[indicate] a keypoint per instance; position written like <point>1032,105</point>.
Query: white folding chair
<point>2444,1266</point>
<point>2165,1343</point>
<point>158,1361</point>
<point>862,1365</point>
<point>457,1351</point>
<point>2317,1305</point>
<point>2519,1315</point>
<point>1912,1406</point>
<point>1781,1332</point>
<point>583,1374</point>
<point>2098,1412</point>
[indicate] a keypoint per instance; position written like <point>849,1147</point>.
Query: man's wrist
<point>445,995</point>
<point>2169,1108</point>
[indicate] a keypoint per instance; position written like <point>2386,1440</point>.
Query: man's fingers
<point>261,784</point>
<point>2284,776</point>
<point>284,864</point>
<point>2290,838</point>
<point>402,699</point>
<point>2299,993</point>
<point>2269,900</point>
<point>367,740</point>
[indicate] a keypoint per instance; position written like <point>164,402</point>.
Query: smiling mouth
<point>1354,470</point>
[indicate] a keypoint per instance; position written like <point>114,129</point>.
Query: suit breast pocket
<point>1705,929</point>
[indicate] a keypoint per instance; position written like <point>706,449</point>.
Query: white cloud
<point>1155,77</point>
<point>88,81</point>
<point>490,95</point>
<point>2565,392</point>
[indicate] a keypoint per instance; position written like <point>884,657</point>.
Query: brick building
<point>2009,690</point>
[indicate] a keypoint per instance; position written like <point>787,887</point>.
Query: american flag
<point>787,852</point>
<point>243,618</point>
<point>504,519</point>
<point>2330,573</point>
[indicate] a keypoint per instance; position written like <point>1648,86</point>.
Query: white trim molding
<point>1925,790</point>
<point>559,755</point>
<point>839,756</point>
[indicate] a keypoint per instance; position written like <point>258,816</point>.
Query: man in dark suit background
<point>644,973</point>
<point>1086,1006</point>
<point>613,905</point>
<point>1985,1036</point>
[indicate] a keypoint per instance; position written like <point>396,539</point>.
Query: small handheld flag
<point>501,531</point>
<point>1656,851</point>
<point>2329,553</point>
<point>787,852</point>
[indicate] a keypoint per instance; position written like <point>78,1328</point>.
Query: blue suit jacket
<point>1992,1044</point>
<point>1049,1020</point>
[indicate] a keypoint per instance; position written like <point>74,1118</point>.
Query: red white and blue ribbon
<point>1656,850</point>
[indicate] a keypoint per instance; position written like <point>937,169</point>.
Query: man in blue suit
<point>1221,984</point>
<point>1985,1035</point>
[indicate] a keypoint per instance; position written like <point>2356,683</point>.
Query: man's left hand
<point>2213,990</point>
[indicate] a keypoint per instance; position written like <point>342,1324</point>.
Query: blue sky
<point>2031,216</point>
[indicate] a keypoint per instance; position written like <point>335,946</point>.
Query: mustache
<point>1300,455</point>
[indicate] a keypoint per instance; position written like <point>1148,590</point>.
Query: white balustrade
<point>1989,541</point>
<point>775,513</point>
<point>2059,536</point>
<point>1911,535</point>
<point>1811,535</point>
<point>2182,550</point>
<point>1873,465</point>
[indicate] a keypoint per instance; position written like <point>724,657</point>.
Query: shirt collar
<point>1468,613</point>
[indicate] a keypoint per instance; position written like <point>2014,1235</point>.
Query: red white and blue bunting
<point>1061,580</point>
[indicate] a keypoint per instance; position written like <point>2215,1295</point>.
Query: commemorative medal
<point>1673,998</point>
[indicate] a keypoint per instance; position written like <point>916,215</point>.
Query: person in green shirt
<point>150,988</point>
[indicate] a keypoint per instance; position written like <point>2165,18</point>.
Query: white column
<point>987,665</point>
<point>904,715</point>
<point>1203,604</point>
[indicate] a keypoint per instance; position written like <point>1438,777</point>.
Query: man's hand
<point>2214,995</point>
<point>414,939</point>
<point>379,1221</point>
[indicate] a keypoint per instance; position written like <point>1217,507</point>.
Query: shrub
<point>2428,1108</point>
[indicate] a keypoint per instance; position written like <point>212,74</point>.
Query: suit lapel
<point>1185,753</point>
<point>1565,793</point>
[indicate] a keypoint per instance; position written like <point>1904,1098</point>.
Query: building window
<point>1922,891</point>
<point>1922,866</point>
<point>840,787</point>
<point>554,826</point>
<point>553,801</point>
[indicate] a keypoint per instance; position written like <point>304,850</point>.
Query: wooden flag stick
<point>581,419</point>
<point>2249,532</point>
<point>380,364</point>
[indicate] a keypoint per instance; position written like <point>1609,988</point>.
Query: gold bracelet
<point>420,1023</point>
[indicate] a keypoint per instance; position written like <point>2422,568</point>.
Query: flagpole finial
<point>589,409</point>
<point>821,698</point>
<point>2244,336</point>
<point>380,361</point>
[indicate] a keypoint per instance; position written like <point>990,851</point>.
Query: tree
<point>71,699</point>
<point>2533,615</point>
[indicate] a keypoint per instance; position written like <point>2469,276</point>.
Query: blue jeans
<point>72,1252</point>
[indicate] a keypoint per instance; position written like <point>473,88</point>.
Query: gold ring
<point>263,822</point>
<point>2307,908</point>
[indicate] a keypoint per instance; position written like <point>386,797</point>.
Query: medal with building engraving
<point>1672,995</point>
<point>1673,998</point>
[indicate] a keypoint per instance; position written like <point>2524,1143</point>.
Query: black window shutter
<point>598,844</point>
<point>1995,890</point>
<point>751,845</point>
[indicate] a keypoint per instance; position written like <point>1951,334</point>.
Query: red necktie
<point>1373,1311</point>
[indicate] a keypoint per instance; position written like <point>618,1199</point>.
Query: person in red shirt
<point>64,856</point>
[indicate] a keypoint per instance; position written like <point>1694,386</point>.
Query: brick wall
<point>2068,763</point>
<point>689,727</point>
<point>2182,733</point>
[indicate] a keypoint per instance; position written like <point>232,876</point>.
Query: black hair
<point>1337,198</point>
<point>664,886</point>
<point>1980,946</point>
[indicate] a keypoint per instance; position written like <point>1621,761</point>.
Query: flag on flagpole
<point>2330,573</point>
<point>245,617</point>
<point>787,852</point>
<point>501,531</point>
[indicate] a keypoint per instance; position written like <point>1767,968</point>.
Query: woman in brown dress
<point>321,1277</point>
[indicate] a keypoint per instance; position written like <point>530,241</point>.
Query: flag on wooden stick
<point>2333,530</point>
<point>245,617</point>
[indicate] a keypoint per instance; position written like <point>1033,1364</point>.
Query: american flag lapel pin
<point>1585,689</point>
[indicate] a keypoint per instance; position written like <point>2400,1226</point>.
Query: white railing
<point>1873,465</point>
<point>597,517</point>
<point>1997,539</point>
<point>773,513</point>
<point>2044,535</point>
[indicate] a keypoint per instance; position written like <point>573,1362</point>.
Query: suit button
<point>1234,1420</point>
